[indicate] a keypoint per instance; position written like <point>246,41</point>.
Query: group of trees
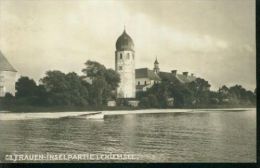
<point>94,88</point>
<point>194,94</point>
<point>98,85</point>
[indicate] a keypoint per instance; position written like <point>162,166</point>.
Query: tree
<point>8,100</point>
<point>25,87</point>
<point>182,95</point>
<point>26,91</point>
<point>200,90</point>
<point>104,82</point>
<point>236,95</point>
<point>65,89</point>
<point>159,92</point>
<point>144,102</point>
<point>153,100</point>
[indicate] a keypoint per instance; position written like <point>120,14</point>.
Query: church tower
<point>156,68</point>
<point>125,66</point>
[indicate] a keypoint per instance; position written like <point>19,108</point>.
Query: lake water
<point>201,136</point>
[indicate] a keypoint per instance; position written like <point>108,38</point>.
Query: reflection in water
<point>172,137</point>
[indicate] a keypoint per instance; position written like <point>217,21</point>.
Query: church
<point>8,76</point>
<point>138,80</point>
<point>132,80</point>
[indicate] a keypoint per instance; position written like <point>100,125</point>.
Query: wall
<point>126,69</point>
<point>149,83</point>
<point>7,82</point>
<point>142,81</point>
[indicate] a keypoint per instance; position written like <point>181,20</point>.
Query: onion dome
<point>124,43</point>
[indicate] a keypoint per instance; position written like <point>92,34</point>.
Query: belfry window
<point>121,55</point>
<point>128,56</point>
<point>138,82</point>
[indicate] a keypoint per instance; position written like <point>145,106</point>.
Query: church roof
<point>124,43</point>
<point>178,77</point>
<point>146,73</point>
<point>168,76</point>
<point>184,79</point>
<point>5,65</point>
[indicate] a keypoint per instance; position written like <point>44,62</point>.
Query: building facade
<point>136,80</point>
<point>125,66</point>
<point>8,77</point>
<point>146,78</point>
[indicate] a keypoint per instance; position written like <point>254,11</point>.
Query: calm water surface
<point>213,136</point>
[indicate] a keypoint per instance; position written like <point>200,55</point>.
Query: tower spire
<point>156,61</point>
<point>156,66</point>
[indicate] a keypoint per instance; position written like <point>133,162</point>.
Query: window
<point>121,55</point>
<point>138,82</point>
<point>120,67</point>
<point>145,82</point>
<point>128,56</point>
<point>133,56</point>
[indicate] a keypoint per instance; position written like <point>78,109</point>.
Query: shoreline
<point>54,109</point>
<point>56,115</point>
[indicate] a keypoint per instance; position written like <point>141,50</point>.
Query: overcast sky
<point>214,39</point>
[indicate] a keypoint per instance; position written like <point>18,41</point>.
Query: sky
<point>214,39</point>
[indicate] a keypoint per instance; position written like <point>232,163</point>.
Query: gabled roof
<point>183,79</point>
<point>168,76</point>
<point>5,65</point>
<point>178,77</point>
<point>146,73</point>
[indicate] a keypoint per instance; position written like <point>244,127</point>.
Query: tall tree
<point>104,82</point>
<point>25,87</point>
<point>200,89</point>
<point>65,89</point>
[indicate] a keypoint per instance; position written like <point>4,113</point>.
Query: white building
<point>8,76</point>
<point>125,66</point>
<point>136,80</point>
<point>146,78</point>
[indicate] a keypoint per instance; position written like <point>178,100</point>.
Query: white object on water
<point>98,115</point>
